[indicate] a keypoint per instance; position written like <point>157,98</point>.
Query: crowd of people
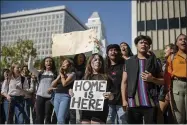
<point>140,88</point>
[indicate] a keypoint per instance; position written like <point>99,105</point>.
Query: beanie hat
<point>111,46</point>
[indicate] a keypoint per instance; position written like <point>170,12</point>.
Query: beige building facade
<point>162,20</point>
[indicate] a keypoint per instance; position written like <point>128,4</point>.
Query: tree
<point>37,64</point>
<point>18,52</point>
<point>161,56</point>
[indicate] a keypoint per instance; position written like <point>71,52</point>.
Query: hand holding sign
<point>108,95</point>
<point>71,92</point>
<point>88,95</point>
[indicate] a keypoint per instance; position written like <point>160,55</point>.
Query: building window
<point>184,22</point>
<point>173,23</point>
<point>45,17</point>
<point>161,24</point>
<point>140,25</point>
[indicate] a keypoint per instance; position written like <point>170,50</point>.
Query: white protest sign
<point>73,43</point>
<point>88,95</point>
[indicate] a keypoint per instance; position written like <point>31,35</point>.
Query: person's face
<point>182,42</point>
<point>25,71</point>
<point>143,46</point>
<point>6,74</point>
<point>124,49</point>
<point>112,53</point>
<point>80,59</point>
<point>167,51</point>
<point>33,77</point>
<point>65,64</point>
<point>48,63</point>
<point>96,63</point>
<point>17,69</point>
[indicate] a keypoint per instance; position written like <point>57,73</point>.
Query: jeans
<point>16,108</point>
<point>5,109</point>
<point>116,111</point>
<point>61,106</point>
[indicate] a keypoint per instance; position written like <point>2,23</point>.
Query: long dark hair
<point>128,49</point>
<point>177,48</point>
<point>76,57</point>
<point>89,70</point>
<point>2,74</point>
<point>42,65</point>
<point>119,57</point>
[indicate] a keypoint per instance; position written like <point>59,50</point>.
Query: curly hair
<point>42,65</point>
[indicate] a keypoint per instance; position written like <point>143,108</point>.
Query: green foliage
<point>37,64</point>
<point>161,55</point>
<point>18,52</point>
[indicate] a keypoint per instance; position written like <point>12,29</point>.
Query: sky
<point>116,15</point>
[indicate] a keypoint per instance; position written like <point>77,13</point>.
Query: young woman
<point>5,73</point>
<point>125,50</point>
<point>63,83</point>
<point>80,65</point>
<point>164,96</point>
<point>177,69</point>
<point>34,86</point>
<point>28,98</point>
<point>13,89</point>
<point>95,71</point>
<point>114,66</point>
<point>45,77</point>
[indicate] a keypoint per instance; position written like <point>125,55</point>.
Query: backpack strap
<point>39,76</point>
<point>22,81</point>
<point>172,58</point>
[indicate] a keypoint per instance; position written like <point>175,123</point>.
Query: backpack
<point>22,81</point>
<point>40,75</point>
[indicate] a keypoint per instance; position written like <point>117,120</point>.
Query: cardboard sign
<point>88,95</point>
<point>73,43</point>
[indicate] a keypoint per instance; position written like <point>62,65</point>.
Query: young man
<point>114,67</point>
<point>139,83</point>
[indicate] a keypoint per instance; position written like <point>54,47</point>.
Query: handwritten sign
<point>88,95</point>
<point>73,43</point>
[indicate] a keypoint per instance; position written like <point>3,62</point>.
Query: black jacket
<point>132,69</point>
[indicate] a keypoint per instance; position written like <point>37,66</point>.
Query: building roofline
<point>41,11</point>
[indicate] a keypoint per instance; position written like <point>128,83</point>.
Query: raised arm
<point>55,82</point>
<point>31,67</point>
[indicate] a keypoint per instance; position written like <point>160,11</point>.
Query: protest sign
<point>73,43</point>
<point>88,95</point>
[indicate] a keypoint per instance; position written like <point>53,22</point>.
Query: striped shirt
<point>142,97</point>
